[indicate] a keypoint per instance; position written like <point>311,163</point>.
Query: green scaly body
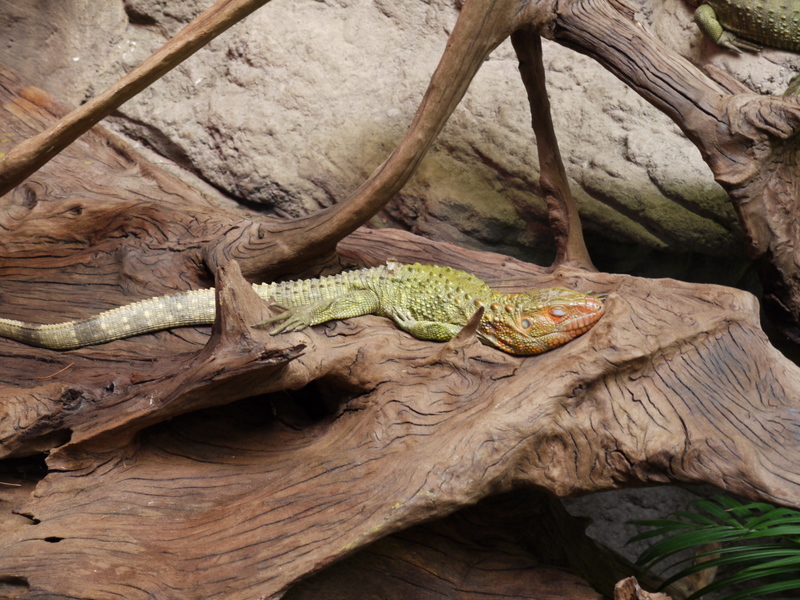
<point>427,301</point>
<point>774,23</point>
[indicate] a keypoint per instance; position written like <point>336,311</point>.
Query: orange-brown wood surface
<point>227,463</point>
<point>147,496</point>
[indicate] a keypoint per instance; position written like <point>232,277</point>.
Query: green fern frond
<point>760,546</point>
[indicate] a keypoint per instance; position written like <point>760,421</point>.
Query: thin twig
<point>57,372</point>
<point>29,156</point>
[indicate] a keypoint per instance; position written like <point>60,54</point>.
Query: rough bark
<point>232,464</point>
<point>147,496</point>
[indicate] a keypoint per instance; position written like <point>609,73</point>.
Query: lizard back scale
<point>427,301</point>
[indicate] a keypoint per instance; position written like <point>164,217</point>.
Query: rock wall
<point>292,108</point>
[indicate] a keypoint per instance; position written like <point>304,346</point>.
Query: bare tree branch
<point>29,156</point>
<point>564,219</point>
<point>749,141</point>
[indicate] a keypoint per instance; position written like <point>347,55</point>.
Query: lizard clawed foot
<point>424,330</point>
<point>403,318</point>
<point>294,319</point>
<point>737,44</point>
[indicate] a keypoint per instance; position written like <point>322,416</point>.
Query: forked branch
<point>563,212</point>
<point>274,246</point>
<point>29,156</point>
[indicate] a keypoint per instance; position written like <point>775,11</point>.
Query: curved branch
<point>481,27</point>
<point>273,246</point>
<point>30,155</point>
<point>749,141</point>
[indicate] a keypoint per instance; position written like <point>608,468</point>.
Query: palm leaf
<point>686,540</point>
<point>763,590</point>
<point>731,556</point>
<point>743,578</point>
<point>760,541</point>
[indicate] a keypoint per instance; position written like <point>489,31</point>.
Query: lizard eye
<point>558,311</point>
<point>525,323</point>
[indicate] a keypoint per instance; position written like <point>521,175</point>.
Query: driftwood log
<point>225,463</point>
<point>149,497</point>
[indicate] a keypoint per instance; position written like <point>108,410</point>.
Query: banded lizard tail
<point>427,301</point>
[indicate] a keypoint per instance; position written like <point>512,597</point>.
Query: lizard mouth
<point>583,323</point>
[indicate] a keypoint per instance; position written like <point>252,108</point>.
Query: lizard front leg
<point>706,19</point>
<point>351,304</point>
<point>794,86</point>
<point>434,331</point>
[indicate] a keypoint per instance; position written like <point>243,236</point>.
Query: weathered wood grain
<point>243,502</point>
<point>677,384</point>
<point>502,548</point>
<point>231,464</point>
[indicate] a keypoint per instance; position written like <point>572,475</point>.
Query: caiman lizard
<point>427,301</point>
<point>747,24</point>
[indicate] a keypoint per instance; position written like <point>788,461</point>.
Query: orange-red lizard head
<point>537,321</point>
